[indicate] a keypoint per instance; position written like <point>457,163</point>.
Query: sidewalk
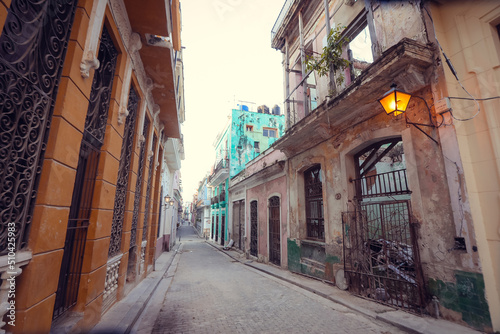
<point>393,316</point>
<point>123,315</point>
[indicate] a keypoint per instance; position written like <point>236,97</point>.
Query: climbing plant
<point>331,56</point>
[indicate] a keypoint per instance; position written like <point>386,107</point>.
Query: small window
<point>249,127</point>
<point>269,132</point>
<point>256,145</point>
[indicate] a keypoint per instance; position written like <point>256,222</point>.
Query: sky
<point>227,58</point>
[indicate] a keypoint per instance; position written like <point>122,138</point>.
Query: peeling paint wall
<point>242,146</point>
<point>261,192</point>
<point>468,33</point>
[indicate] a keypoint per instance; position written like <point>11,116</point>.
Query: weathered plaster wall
<point>262,192</point>
<point>395,20</point>
<point>468,34</point>
<point>430,199</point>
<point>243,141</point>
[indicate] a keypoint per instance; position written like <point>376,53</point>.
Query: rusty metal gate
<point>381,258</point>
<point>274,230</point>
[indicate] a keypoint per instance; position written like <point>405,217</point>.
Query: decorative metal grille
<point>123,173</point>
<point>314,203</point>
<point>253,228</point>
<point>33,47</point>
<point>274,230</point>
<point>381,257</point>
<point>384,184</point>
<point>79,215</point>
<point>138,185</point>
<point>95,123</point>
<point>148,191</point>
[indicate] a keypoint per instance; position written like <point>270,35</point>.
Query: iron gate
<point>76,234</point>
<point>274,230</point>
<point>381,257</point>
<point>80,210</point>
<point>253,228</point>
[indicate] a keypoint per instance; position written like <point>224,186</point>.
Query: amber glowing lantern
<point>395,101</point>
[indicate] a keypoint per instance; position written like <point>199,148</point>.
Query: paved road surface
<point>212,293</point>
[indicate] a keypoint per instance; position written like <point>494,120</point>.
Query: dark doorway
<point>274,230</point>
<point>222,229</point>
<point>238,223</point>
<point>216,228</point>
<point>253,228</point>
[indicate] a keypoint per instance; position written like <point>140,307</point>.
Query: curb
<point>143,306</point>
<point>409,325</point>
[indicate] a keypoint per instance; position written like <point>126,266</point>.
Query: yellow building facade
<point>469,33</point>
<point>89,100</point>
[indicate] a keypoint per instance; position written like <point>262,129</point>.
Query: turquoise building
<point>246,135</point>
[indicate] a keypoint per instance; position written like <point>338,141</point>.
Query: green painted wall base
<point>310,260</point>
<point>466,296</point>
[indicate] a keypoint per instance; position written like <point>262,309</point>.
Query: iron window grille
<point>314,203</point>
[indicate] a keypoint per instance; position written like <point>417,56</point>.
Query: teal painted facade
<point>248,134</point>
<point>247,129</point>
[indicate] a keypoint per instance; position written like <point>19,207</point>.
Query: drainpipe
<point>331,74</point>
<point>286,62</point>
<point>303,61</point>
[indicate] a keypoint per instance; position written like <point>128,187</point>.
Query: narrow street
<point>212,293</point>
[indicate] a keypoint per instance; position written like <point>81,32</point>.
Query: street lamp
<point>395,101</point>
<point>169,201</point>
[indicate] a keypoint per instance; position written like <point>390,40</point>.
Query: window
<point>359,50</point>
<point>269,132</point>
<point>249,127</point>
<point>256,146</point>
<point>314,203</point>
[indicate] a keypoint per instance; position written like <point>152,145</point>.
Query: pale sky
<point>227,58</point>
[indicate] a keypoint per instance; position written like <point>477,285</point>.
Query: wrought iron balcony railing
<point>383,184</point>
<point>222,196</point>
<point>221,165</point>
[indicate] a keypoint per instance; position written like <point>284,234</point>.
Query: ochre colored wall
<point>468,34</point>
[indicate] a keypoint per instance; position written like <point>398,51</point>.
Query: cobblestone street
<point>212,293</point>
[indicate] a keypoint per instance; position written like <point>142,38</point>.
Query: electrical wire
<point>452,69</point>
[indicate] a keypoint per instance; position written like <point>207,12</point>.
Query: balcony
<point>220,173</point>
<point>222,199</point>
<point>405,64</point>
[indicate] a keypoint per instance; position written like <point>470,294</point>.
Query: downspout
<point>286,61</point>
<point>303,61</point>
